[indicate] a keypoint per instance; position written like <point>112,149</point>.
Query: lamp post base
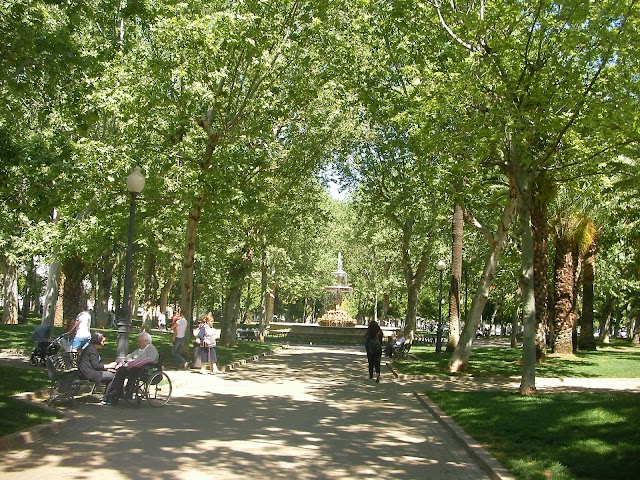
<point>122,346</point>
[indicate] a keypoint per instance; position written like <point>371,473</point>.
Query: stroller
<point>44,347</point>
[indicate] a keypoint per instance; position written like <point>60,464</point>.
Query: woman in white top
<point>207,336</point>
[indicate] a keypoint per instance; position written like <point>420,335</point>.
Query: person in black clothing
<point>90,364</point>
<point>373,346</point>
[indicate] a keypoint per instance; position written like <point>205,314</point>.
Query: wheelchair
<point>152,384</point>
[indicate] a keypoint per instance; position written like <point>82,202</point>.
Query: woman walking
<point>373,346</point>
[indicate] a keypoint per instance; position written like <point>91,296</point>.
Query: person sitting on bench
<point>90,364</point>
<point>131,368</point>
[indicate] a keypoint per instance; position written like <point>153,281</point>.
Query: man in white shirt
<point>179,332</point>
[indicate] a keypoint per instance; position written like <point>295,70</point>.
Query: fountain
<point>337,316</point>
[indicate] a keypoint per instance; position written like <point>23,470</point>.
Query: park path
<point>303,413</point>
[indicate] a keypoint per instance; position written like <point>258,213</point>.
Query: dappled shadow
<point>305,413</point>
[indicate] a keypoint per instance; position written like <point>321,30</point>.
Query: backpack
<point>374,345</point>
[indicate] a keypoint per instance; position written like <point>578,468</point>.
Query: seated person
<point>90,364</point>
<point>130,369</point>
<point>391,342</point>
<point>400,342</point>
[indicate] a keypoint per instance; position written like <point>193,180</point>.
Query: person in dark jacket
<point>373,346</point>
<point>90,364</point>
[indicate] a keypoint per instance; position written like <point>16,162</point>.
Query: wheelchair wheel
<point>137,393</point>
<point>34,360</point>
<point>159,389</point>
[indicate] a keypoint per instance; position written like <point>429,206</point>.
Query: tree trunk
<point>28,293</point>
<point>605,321</point>
<point>539,224</point>
<point>58,319</point>
<point>456,278</point>
<point>634,325</point>
<point>268,297</point>
<point>73,301</point>
<point>563,294</point>
<point>270,303</point>
<point>51,294</point>
<point>10,309</point>
<point>528,380</point>
<point>230,312</point>
<point>385,295</point>
<point>460,357</point>
<point>238,272</point>
<point>150,280</point>
<point>106,269</point>
<point>186,279</point>
<point>413,280</point>
<point>577,267</point>
<point>515,326</point>
<point>164,296</point>
<point>587,341</point>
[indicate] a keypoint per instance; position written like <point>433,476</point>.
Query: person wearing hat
<point>90,363</point>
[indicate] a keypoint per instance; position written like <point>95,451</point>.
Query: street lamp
<point>135,184</point>
<point>440,266</point>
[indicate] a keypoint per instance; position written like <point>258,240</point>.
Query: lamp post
<point>135,184</point>
<point>440,266</point>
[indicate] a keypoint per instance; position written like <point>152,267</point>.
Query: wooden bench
<point>246,334</point>
<point>65,378</point>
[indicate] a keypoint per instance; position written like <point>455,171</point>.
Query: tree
<point>457,225</point>
<point>530,76</point>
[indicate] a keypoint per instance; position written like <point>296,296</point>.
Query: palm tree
<point>588,246</point>
<point>564,301</point>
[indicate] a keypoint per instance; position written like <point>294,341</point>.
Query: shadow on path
<point>304,413</point>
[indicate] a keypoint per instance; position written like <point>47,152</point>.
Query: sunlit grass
<point>506,362</point>
<point>563,436</point>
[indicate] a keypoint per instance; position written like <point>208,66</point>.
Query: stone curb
<point>489,464</point>
<point>18,439</point>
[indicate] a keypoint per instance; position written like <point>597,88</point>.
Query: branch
<point>471,220</point>
<point>466,45</point>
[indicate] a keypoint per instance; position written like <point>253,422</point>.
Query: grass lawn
<point>18,337</point>
<point>16,415</point>
<point>615,361</point>
<point>556,436</point>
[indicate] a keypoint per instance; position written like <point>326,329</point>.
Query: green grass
<point>611,362</point>
<point>558,436</point>
<point>16,415</point>
<point>18,337</point>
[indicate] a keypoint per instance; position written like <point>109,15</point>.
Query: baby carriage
<point>44,347</point>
